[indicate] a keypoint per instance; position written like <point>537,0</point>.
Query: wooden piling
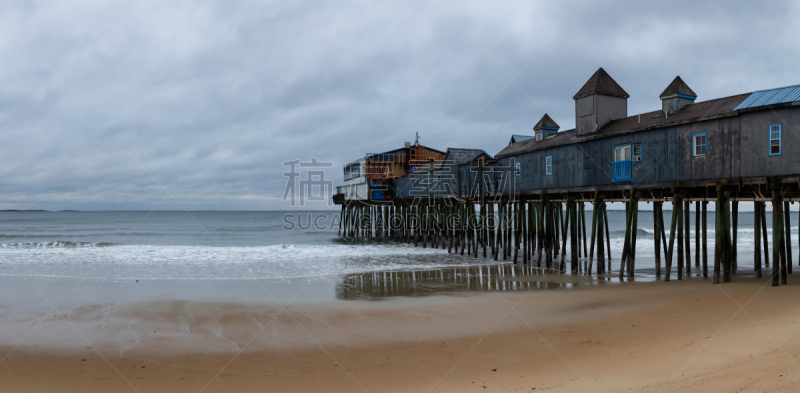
<point>583,248</point>
<point>764,232</point>
<point>578,227</point>
<point>687,235</point>
<point>497,230</point>
<point>540,232</point>
<point>705,239</point>
<point>341,218</point>
<point>504,238</point>
<point>524,231</point>
<point>634,229</point>
<point>718,235</point>
<point>582,217</point>
<point>787,226</point>
<point>531,230</point>
<point>462,223</point>
<point>516,230</point>
<point>416,228</point>
<point>697,234</point>
<point>757,238</point>
<point>426,224</point>
<point>601,266</point>
<point>679,206</point>
<point>727,251</point>
<point>776,241</point>
<point>781,238</point>
<point>672,226</point>
<point>557,212</point>
<point>658,217</point>
<point>551,235</point>
<point>484,229</point>
<point>734,235</point>
<point>574,239</point>
<point>565,232</point>
<point>627,242</point>
<point>608,235</point>
<point>595,207</point>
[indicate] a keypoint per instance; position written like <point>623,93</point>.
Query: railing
<point>385,157</point>
<point>621,171</point>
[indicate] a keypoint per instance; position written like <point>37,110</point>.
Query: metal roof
<point>771,96</point>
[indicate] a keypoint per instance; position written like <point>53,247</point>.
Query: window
<point>548,166</point>
<point>699,144</point>
<point>518,168</point>
<point>775,136</point>
<point>352,172</point>
<point>622,153</point>
<point>539,135</point>
<point>637,153</point>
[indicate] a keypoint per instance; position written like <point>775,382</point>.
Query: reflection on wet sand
<point>453,280</point>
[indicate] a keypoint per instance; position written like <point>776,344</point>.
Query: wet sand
<point>633,336</point>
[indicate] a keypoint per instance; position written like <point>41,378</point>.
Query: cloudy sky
<point>196,104</point>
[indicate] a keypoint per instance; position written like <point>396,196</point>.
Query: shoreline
<point>640,336</point>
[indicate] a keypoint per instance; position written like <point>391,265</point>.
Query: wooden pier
<point>527,203</point>
<point>536,228</point>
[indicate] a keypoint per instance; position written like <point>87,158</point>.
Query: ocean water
<point>239,245</point>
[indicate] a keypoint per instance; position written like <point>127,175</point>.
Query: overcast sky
<point>206,100</point>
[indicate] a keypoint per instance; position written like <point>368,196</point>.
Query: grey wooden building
<point>724,150</point>
<point>686,142</point>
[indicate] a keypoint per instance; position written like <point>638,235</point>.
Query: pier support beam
<point>697,234</point>
<point>595,207</point>
<point>787,226</point>
<point>705,239</point>
<point>687,238</point>
<point>718,234</point>
<point>634,230</point>
<point>673,225</point>
<point>776,240</point>
<point>608,234</point>
<point>626,245</point>
<point>678,202</point>
<point>782,236</point>
<point>734,235</point>
<point>727,254</point>
<point>582,220</point>
<point>764,232</point>
<point>573,233</point>
<point>601,263</point>
<point>757,238</point>
<point>658,218</point>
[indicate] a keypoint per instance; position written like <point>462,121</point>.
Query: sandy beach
<point>632,336</point>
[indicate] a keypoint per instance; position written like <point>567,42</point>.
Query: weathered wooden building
<point>724,150</point>
<point>686,142</point>
<point>372,177</point>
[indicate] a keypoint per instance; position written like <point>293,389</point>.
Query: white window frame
<point>548,166</point>
<point>626,152</point>
<point>517,168</point>
<point>777,127</point>
<point>695,137</point>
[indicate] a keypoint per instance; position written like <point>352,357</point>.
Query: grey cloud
<point>168,81</point>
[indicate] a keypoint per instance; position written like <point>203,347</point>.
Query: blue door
<point>621,165</point>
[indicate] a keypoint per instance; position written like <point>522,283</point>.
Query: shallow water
<point>209,246</point>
